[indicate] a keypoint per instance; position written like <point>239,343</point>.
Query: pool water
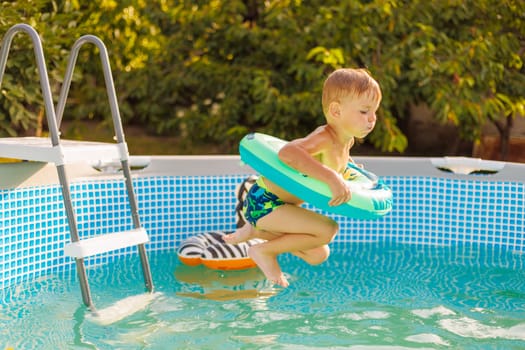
<point>367,296</point>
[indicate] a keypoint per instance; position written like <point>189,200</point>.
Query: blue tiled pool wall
<point>429,211</point>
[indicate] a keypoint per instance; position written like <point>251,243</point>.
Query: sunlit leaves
<point>212,70</point>
<point>330,57</point>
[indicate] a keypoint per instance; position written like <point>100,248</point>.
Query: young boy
<point>350,100</point>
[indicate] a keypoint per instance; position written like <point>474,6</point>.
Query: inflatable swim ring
<point>371,198</point>
<point>210,250</point>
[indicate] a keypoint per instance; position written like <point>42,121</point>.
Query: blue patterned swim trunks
<point>259,202</point>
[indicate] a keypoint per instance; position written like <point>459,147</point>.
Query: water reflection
<point>203,283</point>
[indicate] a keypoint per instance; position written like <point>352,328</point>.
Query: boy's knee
<point>333,228</point>
<point>321,255</point>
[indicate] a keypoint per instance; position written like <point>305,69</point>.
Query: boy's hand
<point>340,192</point>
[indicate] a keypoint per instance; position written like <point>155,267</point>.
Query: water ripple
<point>366,296</point>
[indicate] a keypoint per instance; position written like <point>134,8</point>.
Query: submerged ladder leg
<point>84,285</point>
<point>146,271</point>
<point>73,229</point>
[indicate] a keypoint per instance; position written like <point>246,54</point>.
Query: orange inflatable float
<point>210,250</point>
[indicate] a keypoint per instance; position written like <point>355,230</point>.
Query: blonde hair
<point>348,81</point>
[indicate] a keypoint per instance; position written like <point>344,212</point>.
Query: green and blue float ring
<point>371,197</point>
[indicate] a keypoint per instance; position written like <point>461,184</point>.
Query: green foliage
<point>466,60</point>
<point>212,70</point>
<point>20,96</point>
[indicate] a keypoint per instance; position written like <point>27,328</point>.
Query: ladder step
<point>105,243</point>
<point>69,151</point>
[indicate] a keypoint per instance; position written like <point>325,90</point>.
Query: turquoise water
<point>367,296</point>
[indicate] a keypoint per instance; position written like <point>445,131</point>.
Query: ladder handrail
<point>42,70</point>
<point>117,124</point>
<point>108,78</point>
<point>113,103</point>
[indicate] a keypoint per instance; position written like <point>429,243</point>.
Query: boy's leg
<point>296,229</point>
<point>314,256</point>
<point>240,235</point>
<point>304,233</point>
<point>248,232</point>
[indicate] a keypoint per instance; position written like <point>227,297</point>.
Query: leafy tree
<point>59,24</point>
<point>465,60</point>
<point>212,70</point>
<point>247,65</point>
<point>21,105</point>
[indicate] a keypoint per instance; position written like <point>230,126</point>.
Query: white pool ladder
<point>61,152</point>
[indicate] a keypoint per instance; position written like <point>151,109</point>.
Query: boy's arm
<point>300,155</point>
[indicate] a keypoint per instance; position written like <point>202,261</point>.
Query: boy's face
<point>357,114</point>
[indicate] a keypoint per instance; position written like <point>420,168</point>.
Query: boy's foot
<point>242,234</point>
<point>269,266</point>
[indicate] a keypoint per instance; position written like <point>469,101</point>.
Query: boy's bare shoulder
<point>321,132</point>
<point>317,141</point>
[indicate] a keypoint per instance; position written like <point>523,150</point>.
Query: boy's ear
<point>335,109</point>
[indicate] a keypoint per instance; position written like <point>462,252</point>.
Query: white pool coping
<point>28,174</point>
